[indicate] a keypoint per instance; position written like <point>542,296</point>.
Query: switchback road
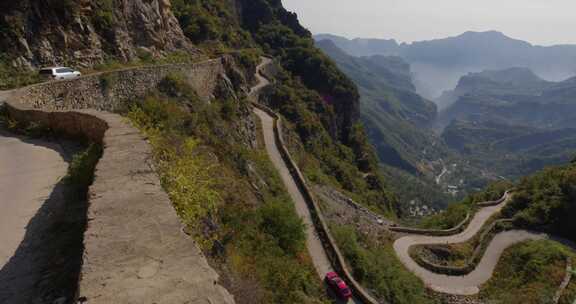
<point>468,284</point>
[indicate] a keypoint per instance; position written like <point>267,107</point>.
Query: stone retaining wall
<point>496,202</point>
<point>109,91</point>
<point>565,281</point>
<point>435,232</point>
<point>135,250</point>
<point>336,258</point>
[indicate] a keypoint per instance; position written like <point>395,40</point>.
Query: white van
<point>59,73</point>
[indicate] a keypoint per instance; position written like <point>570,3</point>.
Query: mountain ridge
<point>439,63</point>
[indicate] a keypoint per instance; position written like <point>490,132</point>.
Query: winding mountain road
<point>315,247</point>
<point>30,169</point>
<point>313,243</point>
<point>468,284</point>
<point>459,285</point>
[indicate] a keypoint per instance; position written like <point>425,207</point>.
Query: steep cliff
<point>87,32</point>
<point>391,110</point>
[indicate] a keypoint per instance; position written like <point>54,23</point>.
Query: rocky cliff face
<point>87,32</point>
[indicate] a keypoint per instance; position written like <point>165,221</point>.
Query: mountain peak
<point>511,75</point>
<point>487,36</point>
<point>483,33</point>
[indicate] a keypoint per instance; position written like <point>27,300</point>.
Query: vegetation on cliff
<point>546,201</point>
<point>320,103</point>
<point>530,273</point>
<point>211,24</point>
<point>11,77</point>
<point>376,266</point>
<point>228,194</point>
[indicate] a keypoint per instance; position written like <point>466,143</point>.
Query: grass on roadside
<point>528,273</point>
<point>377,268</point>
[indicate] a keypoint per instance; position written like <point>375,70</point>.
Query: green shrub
<point>11,77</point>
<point>546,200</point>
<point>103,15</point>
<point>229,110</point>
<point>278,220</point>
<point>378,269</point>
<point>249,59</point>
<point>107,81</point>
<point>527,273</point>
<point>81,170</point>
<point>210,21</point>
<point>174,85</point>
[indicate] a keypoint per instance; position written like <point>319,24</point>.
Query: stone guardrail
<point>332,250</point>
<point>452,231</point>
<point>565,281</point>
<point>108,91</point>
<point>496,202</point>
<point>436,232</point>
<point>134,250</point>
<point>494,228</point>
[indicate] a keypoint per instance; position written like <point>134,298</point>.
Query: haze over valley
<point>438,64</point>
<point>459,112</point>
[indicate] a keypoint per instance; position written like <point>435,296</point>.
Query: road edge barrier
<point>451,231</point>
<point>336,258</point>
<point>471,264</point>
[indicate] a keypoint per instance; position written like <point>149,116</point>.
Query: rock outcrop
<point>88,32</point>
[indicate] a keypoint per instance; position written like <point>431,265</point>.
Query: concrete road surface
<point>319,258</point>
<point>29,171</point>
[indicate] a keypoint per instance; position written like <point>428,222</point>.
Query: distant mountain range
<point>511,120</point>
<point>497,123</point>
<point>513,96</point>
<point>438,64</point>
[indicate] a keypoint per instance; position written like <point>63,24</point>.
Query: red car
<point>338,285</point>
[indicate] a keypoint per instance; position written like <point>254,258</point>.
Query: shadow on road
<point>65,148</point>
<point>46,265</point>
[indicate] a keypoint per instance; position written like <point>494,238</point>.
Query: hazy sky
<point>542,22</point>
